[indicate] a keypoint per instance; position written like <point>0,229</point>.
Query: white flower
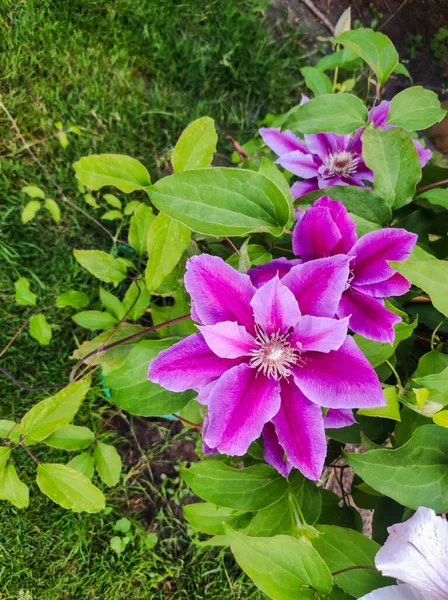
<point>415,553</point>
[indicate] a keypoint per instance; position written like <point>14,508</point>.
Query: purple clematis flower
<point>325,230</point>
<point>326,159</point>
<point>267,360</point>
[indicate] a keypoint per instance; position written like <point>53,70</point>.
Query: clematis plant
<point>268,360</point>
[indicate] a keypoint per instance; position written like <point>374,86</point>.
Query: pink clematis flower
<point>325,230</point>
<point>267,360</point>
<point>415,553</point>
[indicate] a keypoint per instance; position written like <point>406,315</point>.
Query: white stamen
<point>342,163</point>
<point>274,355</point>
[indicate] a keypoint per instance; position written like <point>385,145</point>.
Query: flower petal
<point>340,379</point>
<point>378,115</point>
<point>300,430</point>
<point>240,405</point>
<point>373,249</point>
<point>395,592</point>
<point>278,266</point>
<point>275,308</point>
<point>318,285</point>
<point>281,142</point>
<point>324,144</point>
<point>336,180</point>
<point>300,188</point>
<point>219,292</point>
<point>303,165</point>
<point>319,334</point>
<point>203,396</point>
<point>228,339</point>
<point>397,285</point>
<point>416,553</point>
<point>206,450</point>
<point>316,234</point>
<point>338,417</point>
<point>188,365</point>
<point>274,454</point>
<point>344,222</point>
<point>423,153</point>
<point>368,316</point>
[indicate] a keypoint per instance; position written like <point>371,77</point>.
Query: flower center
<point>342,163</point>
<point>351,276</point>
<point>274,355</point>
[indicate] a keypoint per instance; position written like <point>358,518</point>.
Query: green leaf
<point>107,463</point>
<point>53,209</point>
<point>392,157</point>
<point>112,304</point>
<point>181,307</point>
<point>123,525</point>
<point>118,544</point>
<point>94,319</point>
<point>63,139</point>
<point>374,48</point>
<point>12,489</point>
<point>33,191</point>
<point>317,81</point>
<point>9,429</point>
<point>125,173</point>
<point>196,146</point>
<point>378,352</point>
<point>112,200</point>
<point>30,210</point>
<point>345,58</point>
<point>24,296</point>
<point>5,453</point>
<point>272,172</point>
<point>73,298</point>
<point>301,498</point>
<point>137,297</point>
<point>132,391</point>
<point>415,108</point>
<point>85,463</point>
<point>344,22</point>
<point>400,69</point>
<point>131,207</point>
<point>357,200</point>
<point>283,567</point>
<point>54,412</point>
<point>390,411</point>
<point>101,265</point>
<point>167,241</point>
<point>342,548</point>
<point>248,489</point>
<point>441,418</point>
<point>69,488</point>
<point>111,215</point>
<point>90,200</point>
<point>437,196</point>
<point>258,255</point>
<point>428,273</point>
<point>210,519</point>
<point>223,201</point>
<point>40,329</point>
<point>70,437</point>
<point>337,113</point>
<point>139,226</point>
<point>414,475</point>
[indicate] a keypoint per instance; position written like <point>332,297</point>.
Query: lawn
<point>131,75</point>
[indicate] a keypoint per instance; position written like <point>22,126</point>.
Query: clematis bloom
<point>267,360</point>
<point>416,554</point>
<point>326,229</point>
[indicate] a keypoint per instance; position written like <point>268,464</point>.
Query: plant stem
<point>28,451</point>
<point>394,371</point>
<point>432,185</point>
<point>187,422</point>
<point>433,336</point>
<point>371,568</point>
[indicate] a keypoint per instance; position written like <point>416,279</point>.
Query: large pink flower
<point>267,360</point>
<point>326,229</point>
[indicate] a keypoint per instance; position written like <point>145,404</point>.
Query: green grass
<point>132,75</point>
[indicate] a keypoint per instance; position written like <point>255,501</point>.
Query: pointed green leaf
<point>283,567</point>
<point>69,488</point>
<point>167,241</point>
<point>344,22</point>
<point>73,298</point>
<point>12,489</point>
<point>5,453</point>
<point>101,265</point>
<point>113,201</point>
<point>392,157</point>
<point>30,210</point>
<point>375,48</point>
<point>317,81</point>
<point>390,411</point>
<point>441,418</point>
<point>112,304</point>
<point>123,172</point>
<point>136,300</point>
<point>70,437</point>
<point>90,200</point>
<point>196,145</point>
<point>85,463</point>
<point>40,329</point>
<point>94,319</point>
<point>438,196</point>
<point>131,207</point>
<point>24,296</point>
<point>9,429</point>
<point>111,215</point>
<point>53,209</point>
<point>415,108</point>
<point>414,475</point>
<point>54,412</point>
<point>139,226</point>
<point>107,463</point>
<point>209,518</point>
<point>33,191</point>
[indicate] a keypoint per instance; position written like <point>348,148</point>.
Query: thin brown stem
<point>369,567</point>
<point>187,422</point>
<point>27,388</point>
<point>319,15</point>
<point>432,185</point>
<point>235,249</point>
<point>30,453</point>
<point>36,143</point>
